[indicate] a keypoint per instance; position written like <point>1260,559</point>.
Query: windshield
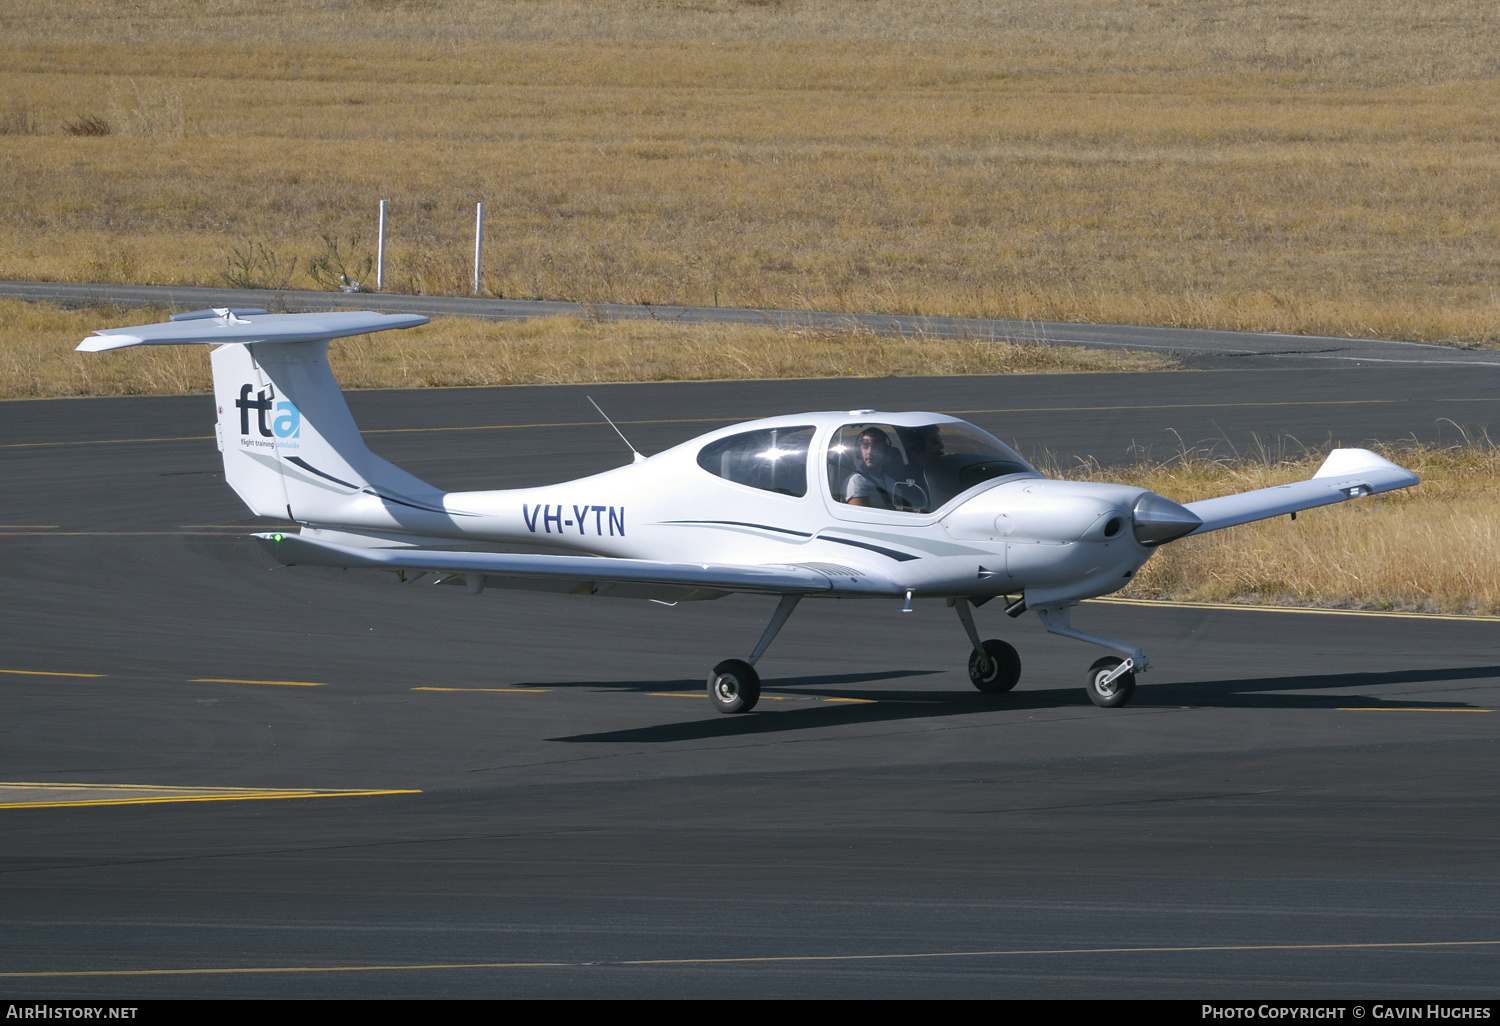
<point>914,469</point>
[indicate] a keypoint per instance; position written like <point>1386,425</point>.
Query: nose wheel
<point>1110,693</point>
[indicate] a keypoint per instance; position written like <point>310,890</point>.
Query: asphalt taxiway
<point>222,778</point>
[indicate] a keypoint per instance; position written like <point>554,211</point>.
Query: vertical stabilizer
<point>291,448</point>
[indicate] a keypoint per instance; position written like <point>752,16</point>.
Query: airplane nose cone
<point>1159,520</point>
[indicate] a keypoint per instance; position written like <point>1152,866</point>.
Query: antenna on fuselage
<point>638,457</point>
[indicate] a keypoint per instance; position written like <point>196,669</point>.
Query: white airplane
<point>856,504</point>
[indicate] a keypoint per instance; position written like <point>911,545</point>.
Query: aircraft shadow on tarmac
<point>842,706</point>
<point>1268,692</point>
<point>697,686</point>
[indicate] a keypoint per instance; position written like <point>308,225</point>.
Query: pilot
<point>872,484</point>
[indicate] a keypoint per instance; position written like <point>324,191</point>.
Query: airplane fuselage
<point>1062,540</point>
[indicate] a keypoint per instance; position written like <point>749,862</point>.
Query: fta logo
<point>287,419</point>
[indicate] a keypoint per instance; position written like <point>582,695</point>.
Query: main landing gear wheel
<point>1002,671</point>
<point>734,686</point>
<point>1117,692</point>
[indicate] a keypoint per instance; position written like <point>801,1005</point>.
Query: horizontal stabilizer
<point>292,549</point>
<point>1345,474</point>
<point>225,326</point>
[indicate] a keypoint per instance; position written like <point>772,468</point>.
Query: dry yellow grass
<point>1320,165</point>
<point>37,357</point>
<point>1432,548</point>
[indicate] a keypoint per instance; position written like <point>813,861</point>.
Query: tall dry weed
<point>37,357</point>
<point>18,120</point>
<point>148,110</point>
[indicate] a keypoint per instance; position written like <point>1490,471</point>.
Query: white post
<point>380,251</point>
<point>478,242</point>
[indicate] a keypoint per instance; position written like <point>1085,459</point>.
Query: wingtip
<point>1341,462</point>
<point>104,341</point>
<point>1381,472</point>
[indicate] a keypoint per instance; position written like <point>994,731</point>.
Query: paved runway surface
<point>530,795</point>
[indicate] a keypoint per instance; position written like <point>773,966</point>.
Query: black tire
<point>734,686</point>
<point>1003,671</point>
<point>1117,692</point>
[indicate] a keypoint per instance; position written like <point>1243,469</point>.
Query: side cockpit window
<point>774,459</point>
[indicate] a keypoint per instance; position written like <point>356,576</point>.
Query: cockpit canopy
<point>911,468</point>
<point>914,469</point>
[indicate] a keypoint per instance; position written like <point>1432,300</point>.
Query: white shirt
<point>877,490</point>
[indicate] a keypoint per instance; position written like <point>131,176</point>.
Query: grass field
<point>1319,166</point>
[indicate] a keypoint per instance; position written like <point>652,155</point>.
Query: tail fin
<point>290,445</point>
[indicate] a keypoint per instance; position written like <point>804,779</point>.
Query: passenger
<point>924,448</point>
<point>872,484</point>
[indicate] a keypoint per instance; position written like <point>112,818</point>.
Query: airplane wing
<point>1345,474</point>
<point>631,578</point>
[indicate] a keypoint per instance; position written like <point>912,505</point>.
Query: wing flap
<point>1345,474</point>
<point>597,571</point>
<point>670,594</point>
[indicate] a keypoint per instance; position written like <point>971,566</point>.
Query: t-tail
<point>291,448</point>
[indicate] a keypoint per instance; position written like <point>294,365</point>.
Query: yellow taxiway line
<point>764,697</point>
<point>50,673</point>
<point>282,683</point>
<point>106,441</point>
<point>524,691</point>
<point>26,795</point>
<point>1402,708</point>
